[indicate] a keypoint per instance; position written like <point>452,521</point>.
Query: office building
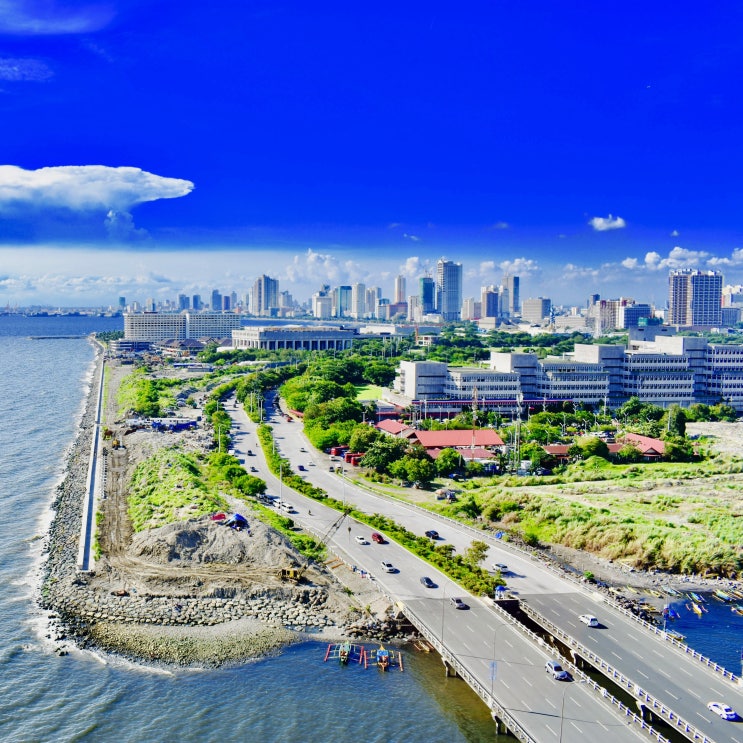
<point>510,303</point>
<point>400,289</point>
<point>295,338</point>
<point>358,301</point>
<point>183,302</point>
<point>490,302</point>
<point>449,290</point>
<point>427,295</point>
<point>535,310</point>
<point>160,326</point>
<point>265,296</point>
<point>196,302</point>
<point>694,298</point>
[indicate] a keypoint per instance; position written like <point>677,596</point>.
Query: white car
<point>727,713</point>
<point>360,540</point>
<point>388,567</point>
<point>589,620</point>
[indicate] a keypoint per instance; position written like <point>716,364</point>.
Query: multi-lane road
<point>502,659</point>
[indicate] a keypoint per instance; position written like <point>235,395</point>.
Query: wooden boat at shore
<point>726,597</point>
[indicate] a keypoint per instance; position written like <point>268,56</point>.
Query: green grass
<point>368,392</point>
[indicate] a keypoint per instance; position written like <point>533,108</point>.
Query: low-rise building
<point>294,337</point>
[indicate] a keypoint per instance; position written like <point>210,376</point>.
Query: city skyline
<point>160,149</point>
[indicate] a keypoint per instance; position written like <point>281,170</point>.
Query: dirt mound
<point>203,541</point>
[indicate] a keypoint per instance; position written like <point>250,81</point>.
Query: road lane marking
<point>671,694</point>
<point>576,727</point>
<point>549,701</point>
<point>694,694</point>
<point>642,674</point>
<point>615,655</point>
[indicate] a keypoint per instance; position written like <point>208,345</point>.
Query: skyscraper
<point>449,289</point>
<point>427,294</point>
<point>510,303</point>
<point>694,297</point>
<point>183,302</point>
<point>400,287</point>
<point>216,304</point>
<point>196,302</point>
<point>265,296</point>
<point>490,302</point>
<point>358,301</point>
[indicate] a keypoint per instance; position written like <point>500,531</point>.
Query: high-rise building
<point>373,295</point>
<point>183,302</point>
<point>265,296</point>
<point>122,303</point>
<point>358,301</point>
<point>196,302</point>
<point>400,287</point>
<point>226,303</point>
<point>694,298</point>
<point>536,310</point>
<point>342,301</point>
<point>427,294</point>
<point>490,302</point>
<point>216,304</point>
<point>449,289</point>
<point>510,303</point>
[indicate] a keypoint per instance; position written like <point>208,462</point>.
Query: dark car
<point>378,538</point>
<point>427,582</point>
<point>432,534</point>
<point>457,603</point>
<point>302,468</point>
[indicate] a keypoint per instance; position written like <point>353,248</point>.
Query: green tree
<point>449,460</point>
<point>413,469</point>
<point>629,454</point>
<point>593,446</point>
<point>363,437</point>
<point>382,453</point>
<point>475,553</point>
<point>675,421</point>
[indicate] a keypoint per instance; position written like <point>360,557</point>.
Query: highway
<point>676,680</point>
<point>503,660</point>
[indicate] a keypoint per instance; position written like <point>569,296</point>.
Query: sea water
<point>85,696</point>
<point>92,697</point>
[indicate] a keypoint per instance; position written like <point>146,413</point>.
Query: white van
<point>286,507</point>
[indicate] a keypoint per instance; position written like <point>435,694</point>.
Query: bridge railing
<point>618,677</point>
<point>485,694</point>
<point>566,575</point>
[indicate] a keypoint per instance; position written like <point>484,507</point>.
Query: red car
<point>378,538</point>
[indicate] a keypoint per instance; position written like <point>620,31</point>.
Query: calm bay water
<point>292,697</point>
<point>81,697</point>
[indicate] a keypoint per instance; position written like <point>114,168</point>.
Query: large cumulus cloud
<point>85,187</point>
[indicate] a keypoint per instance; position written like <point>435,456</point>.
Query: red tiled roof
<point>392,427</point>
<point>458,439</point>
<point>465,453</point>
<point>646,444</point>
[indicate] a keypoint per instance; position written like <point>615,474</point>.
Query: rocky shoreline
<point>183,630</point>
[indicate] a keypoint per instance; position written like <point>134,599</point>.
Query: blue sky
<point>153,147</point>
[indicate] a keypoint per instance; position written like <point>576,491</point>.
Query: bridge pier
<point>643,711</point>
<point>449,670</point>
<point>500,726</point>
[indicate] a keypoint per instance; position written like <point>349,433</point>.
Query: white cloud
<point>500,226</point>
<point>602,224</point>
<point>21,18</point>
<point>412,238</point>
<point>414,267</point>
<point>321,268</point>
<point>519,267</point>
<point>85,187</point>
<point>674,233</point>
<point>630,263</point>
<point>20,69</point>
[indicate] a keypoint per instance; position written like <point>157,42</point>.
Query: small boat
<point>670,613</point>
<point>723,596</point>
<point>387,659</point>
<point>696,608</point>
<point>696,597</point>
<point>737,609</point>
<point>670,591</point>
<point>346,652</point>
<point>675,635</point>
